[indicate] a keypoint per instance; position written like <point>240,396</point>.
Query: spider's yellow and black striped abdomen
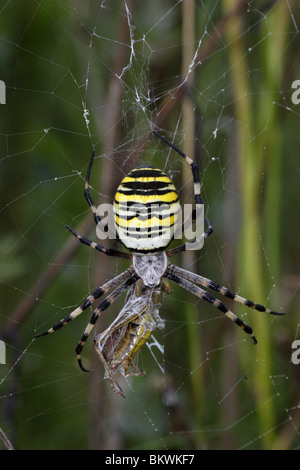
<point>146,210</point>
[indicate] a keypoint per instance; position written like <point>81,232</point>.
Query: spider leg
<point>197,244</point>
<point>202,294</point>
<point>192,164</point>
<point>87,192</point>
<point>89,199</point>
<point>102,249</point>
<point>89,301</point>
<point>203,281</point>
<point>189,245</point>
<point>96,314</point>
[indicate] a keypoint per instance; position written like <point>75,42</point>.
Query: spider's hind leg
<point>202,294</point>
<point>203,281</point>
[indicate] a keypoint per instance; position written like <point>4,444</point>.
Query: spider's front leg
<point>102,249</point>
<point>192,245</point>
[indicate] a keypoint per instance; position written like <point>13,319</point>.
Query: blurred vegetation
<point>72,84</point>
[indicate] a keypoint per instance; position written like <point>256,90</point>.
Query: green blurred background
<point>216,77</point>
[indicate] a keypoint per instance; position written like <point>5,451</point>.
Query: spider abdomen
<point>146,210</point>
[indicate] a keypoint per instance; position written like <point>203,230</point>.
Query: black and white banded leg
<point>102,249</point>
<point>89,199</point>
<point>89,301</point>
<point>87,192</point>
<point>203,281</point>
<point>96,314</point>
<point>198,243</point>
<point>190,245</point>
<point>194,168</point>
<point>202,294</point>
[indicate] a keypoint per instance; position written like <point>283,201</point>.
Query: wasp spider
<point>147,278</point>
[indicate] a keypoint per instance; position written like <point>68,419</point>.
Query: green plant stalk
<point>274,59</point>
<point>274,56</point>
<point>249,265</point>
<point>270,145</point>
<point>188,125</point>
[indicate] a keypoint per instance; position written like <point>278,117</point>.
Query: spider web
<point>100,75</point>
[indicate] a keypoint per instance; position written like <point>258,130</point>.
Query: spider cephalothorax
<point>150,268</point>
